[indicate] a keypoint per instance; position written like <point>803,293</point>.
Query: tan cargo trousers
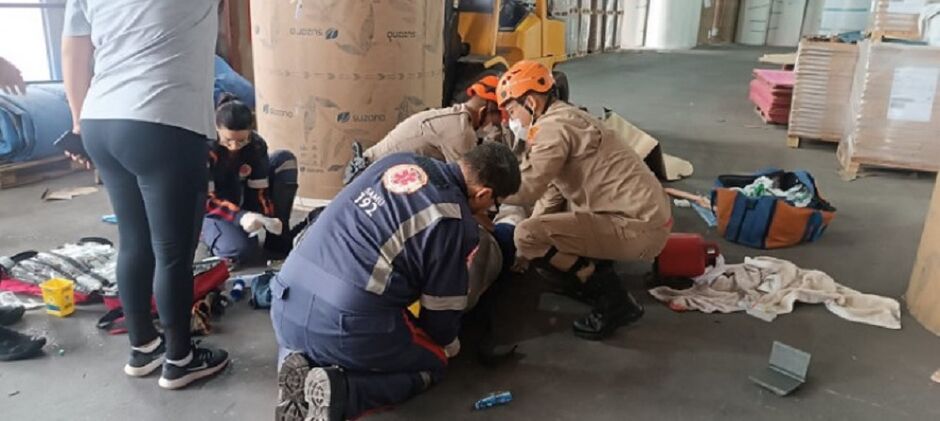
<point>591,235</point>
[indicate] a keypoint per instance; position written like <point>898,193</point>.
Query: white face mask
<point>517,129</point>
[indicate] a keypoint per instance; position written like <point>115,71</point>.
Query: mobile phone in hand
<point>71,143</point>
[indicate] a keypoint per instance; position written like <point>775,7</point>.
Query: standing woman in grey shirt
<point>139,76</point>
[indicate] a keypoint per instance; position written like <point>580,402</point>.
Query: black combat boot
<point>568,284</point>
<point>613,307</point>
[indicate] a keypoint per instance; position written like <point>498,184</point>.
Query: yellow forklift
<point>491,35</point>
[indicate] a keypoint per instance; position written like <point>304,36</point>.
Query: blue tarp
<point>30,123</point>
<point>228,80</point>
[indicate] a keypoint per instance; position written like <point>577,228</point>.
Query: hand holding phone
<point>72,145</point>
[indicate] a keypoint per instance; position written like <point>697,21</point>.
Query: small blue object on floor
<point>493,399</point>
<point>109,219</point>
<point>707,215</point>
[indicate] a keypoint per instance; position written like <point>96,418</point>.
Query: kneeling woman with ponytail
<point>249,191</point>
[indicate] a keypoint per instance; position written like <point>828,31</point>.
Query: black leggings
<point>156,177</point>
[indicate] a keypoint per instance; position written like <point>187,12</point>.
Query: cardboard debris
<point>719,21</point>
<point>666,167</point>
<point>68,193</point>
<point>787,59</point>
<point>331,73</point>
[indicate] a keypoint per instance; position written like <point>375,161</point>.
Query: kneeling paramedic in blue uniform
<point>403,231</point>
<point>249,190</point>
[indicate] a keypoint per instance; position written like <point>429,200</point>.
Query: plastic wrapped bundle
<point>893,118</point>
<point>897,19</point>
<point>30,123</point>
<point>824,73</point>
<point>833,17</point>
<point>91,265</point>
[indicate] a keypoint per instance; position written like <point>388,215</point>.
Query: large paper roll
<point>753,22</point>
<point>633,26</point>
<point>786,21</point>
<point>331,72</point>
<point>672,24</point>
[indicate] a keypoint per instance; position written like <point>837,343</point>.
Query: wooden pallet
<point>766,118</point>
<point>794,141</point>
<point>850,168</point>
<point>21,173</point>
<point>879,36</point>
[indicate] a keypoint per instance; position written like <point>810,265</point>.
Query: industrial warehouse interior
<point>496,209</point>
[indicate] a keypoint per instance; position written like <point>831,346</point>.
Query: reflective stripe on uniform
<point>211,186</point>
<point>258,184</point>
<point>287,165</point>
<point>418,222</point>
<point>420,338</point>
<point>456,303</point>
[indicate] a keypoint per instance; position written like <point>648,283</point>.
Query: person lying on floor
<point>249,190</point>
<point>595,199</point>
<point>403,231</point>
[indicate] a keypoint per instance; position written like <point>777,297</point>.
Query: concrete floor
<point>668,366</point>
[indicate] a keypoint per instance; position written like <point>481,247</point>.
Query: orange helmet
<point>524,77</point>
<point>484,88</point>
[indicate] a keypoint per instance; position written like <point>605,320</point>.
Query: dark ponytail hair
<point>232,114</point>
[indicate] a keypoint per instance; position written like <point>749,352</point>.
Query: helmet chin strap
<point>548,102</point>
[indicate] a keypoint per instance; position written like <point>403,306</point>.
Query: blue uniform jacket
<point>402,231</point>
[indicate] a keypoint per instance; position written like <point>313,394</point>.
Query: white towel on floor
<point>766,287</point>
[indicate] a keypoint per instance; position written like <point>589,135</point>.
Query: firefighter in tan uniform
<point>595,199</point>
<point>445,133</point>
